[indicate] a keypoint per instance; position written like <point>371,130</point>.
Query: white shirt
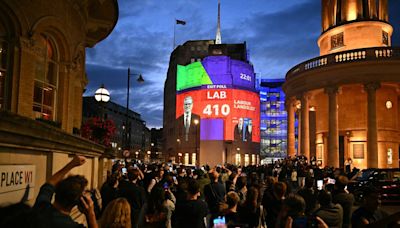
<point>188,116</point>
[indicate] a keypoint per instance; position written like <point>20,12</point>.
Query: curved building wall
<point>353,88</point>
<point>217,104</point>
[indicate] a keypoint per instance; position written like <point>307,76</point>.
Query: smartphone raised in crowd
<point>320,184</point>
<point>165,186</point>
<point>219,222</point>
<point>124,171</point>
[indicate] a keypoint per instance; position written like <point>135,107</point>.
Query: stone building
<point>348,96</point>
<point>135,137</point>
<point>42,79</point>
<point>196,149</point>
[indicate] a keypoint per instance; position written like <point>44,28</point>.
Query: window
<point>246,160</point>
<point>186,159</point>
<point>46,80</point>
<point>193,158</point>
<point>385,38</point>
<point>237,158</point>
<point>3,71</point>
<point>4,56</point>
<point>337,40</point>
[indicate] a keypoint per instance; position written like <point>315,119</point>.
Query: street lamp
<point>148,155</point>
<point>178,141</point>
<point>128,128</point>
<point>196,123</point>
<point>102,96</point>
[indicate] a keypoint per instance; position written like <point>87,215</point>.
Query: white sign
<point>14,180</point>
<point>390,156</point>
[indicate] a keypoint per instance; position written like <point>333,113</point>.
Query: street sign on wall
<point>15,180</point>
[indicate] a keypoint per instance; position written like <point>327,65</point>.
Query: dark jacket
<point>346,200</point>
<point>331,214</point>
<point>136,196</point>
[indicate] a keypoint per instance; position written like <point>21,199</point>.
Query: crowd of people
<point>286,194</point>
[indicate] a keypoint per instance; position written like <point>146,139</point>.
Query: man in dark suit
<point>134,193</point>
<point>249,131</point>
<point>238,133</point>
<point>188,123</point>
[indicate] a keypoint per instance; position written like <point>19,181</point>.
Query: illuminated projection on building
<point>218,96</point>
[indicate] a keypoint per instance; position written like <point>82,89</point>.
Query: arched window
<point>3,65</point>
<point>46,80</point>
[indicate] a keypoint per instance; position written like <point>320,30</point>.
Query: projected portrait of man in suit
<point>188,122</point>
<point>238,133</point>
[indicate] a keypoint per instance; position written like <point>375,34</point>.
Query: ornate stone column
<point>333,136</point>
<point>305,129</point>
<point>290,127</point>
<point>372,129</point>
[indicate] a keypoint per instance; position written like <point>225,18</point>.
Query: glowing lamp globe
<point>102,95</point>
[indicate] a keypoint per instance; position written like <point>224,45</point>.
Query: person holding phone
<point>293,214</point>
<point>69,192</point>
<point>331,213</point>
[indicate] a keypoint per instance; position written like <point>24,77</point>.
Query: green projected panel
<point>192,75</point>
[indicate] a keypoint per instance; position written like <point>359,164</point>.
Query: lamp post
<point>196,123</point>
<point>178,141</point>
<point>128,128</point>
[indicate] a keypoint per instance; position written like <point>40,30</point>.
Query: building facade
<point>42,79</point>
<point>156,144</point>
<point>134,137</point>
<point>273,125</point>
<point>216,83</point>
<point>348,97</point>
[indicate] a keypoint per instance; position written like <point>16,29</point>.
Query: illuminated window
<point>193,158</point>
<point>246,160</point>
<point>337,40</point>
<point>237,158</point>
<point>46,79</point>
<point>385,38</point>
<point>253,159</point>
<point>186,159</point>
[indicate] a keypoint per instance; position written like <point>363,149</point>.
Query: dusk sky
<point>279,35</point>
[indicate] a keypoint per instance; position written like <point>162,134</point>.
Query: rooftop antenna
<point>218,37</point>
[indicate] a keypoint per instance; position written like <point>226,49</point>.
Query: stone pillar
<point>372,129</point>
<point>290,127</point>
<point>305,130</point>
<point>333,136</point>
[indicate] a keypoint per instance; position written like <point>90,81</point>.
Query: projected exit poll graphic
<point>220,92</point>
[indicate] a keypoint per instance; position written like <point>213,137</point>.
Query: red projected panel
<point>238,109</point>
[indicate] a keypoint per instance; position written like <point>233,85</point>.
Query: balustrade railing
<point>364,54</point>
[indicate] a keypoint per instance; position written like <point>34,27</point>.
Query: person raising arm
<point>69,192</point>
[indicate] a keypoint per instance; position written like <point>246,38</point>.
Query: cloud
<point>145,98</point>
<point>278,36</point>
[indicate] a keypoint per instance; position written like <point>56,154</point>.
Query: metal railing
<point>356,55</point>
